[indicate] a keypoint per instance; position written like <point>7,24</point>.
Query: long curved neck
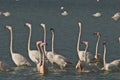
<point>104,57</point>
<point>43,56</point>
<point>11,41</point>
<point>29,39</point>
<point>44,39</point>
<point>39,54</point>
<point>53,42</point>
<point>96,52</point>
<point>85,53</point>
<point>78,43</point>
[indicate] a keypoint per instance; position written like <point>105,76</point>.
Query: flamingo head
<point>104,43</point>
<point>28,25</point>
<point>79,23</point>
<point>38,42</point>
<point>8,27</point>
<point>42,24</point>
<point>52,29</point>
<point>97,33</point>
<point>42,44</point>
<point>85,42</point>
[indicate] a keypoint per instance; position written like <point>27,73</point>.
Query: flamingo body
<point>112,66</point>
<point>81,56</point>
<point>33,53</point>
<point>116,16</point>
<point>50,56</point>
<point>60,60</point>
<point>20,60</point>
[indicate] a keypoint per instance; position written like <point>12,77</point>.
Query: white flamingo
<point>98,56</point>
<point>58,59</point>
<point>48,54</point>
<point>81,53</point>
<point>83,65</point>
<point>64,13</point>
<point>41,67</point>
<point>17,58</point>
<point>33,54</point>
<point>116,16</point>
<point>112,66</point>
<point>97,14</point>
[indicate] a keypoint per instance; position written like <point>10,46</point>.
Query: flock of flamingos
<point>87,62</point>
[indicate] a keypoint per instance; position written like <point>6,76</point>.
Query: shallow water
<point>66,33</point>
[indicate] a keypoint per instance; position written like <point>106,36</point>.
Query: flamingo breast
<point>50,56</point>
<point>18,59</point>
<point>35,56</point>
<point>60,60</point>
<point>82,56</point>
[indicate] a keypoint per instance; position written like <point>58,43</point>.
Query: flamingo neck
<point>85,53</point>
<point>45,40</point>
<point>79,36</point>
<point>104,57</point>
<point>43,56</point>
<point>29,39</point>
<point>96,52</point>
<point>11,41</point>
<point>53,42</point>
<point>39,54</point>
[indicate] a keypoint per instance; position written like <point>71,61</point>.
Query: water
<point>66,33</point>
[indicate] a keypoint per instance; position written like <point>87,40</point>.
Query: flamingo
<point>4,66</point>
<point>41,65</point>
<point>61,7</point>
<point>33,54</point>
<point>116,16</point>
<point>6,14</point>
<point>64,13</point>
<point>97,14</point>
<point>83,65</point>
<point>112,66</point>
<point>81,53</point>
<point>48,54</point>
<point>17,58</point>
<point>57,58</point>
<point>97,56</point>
